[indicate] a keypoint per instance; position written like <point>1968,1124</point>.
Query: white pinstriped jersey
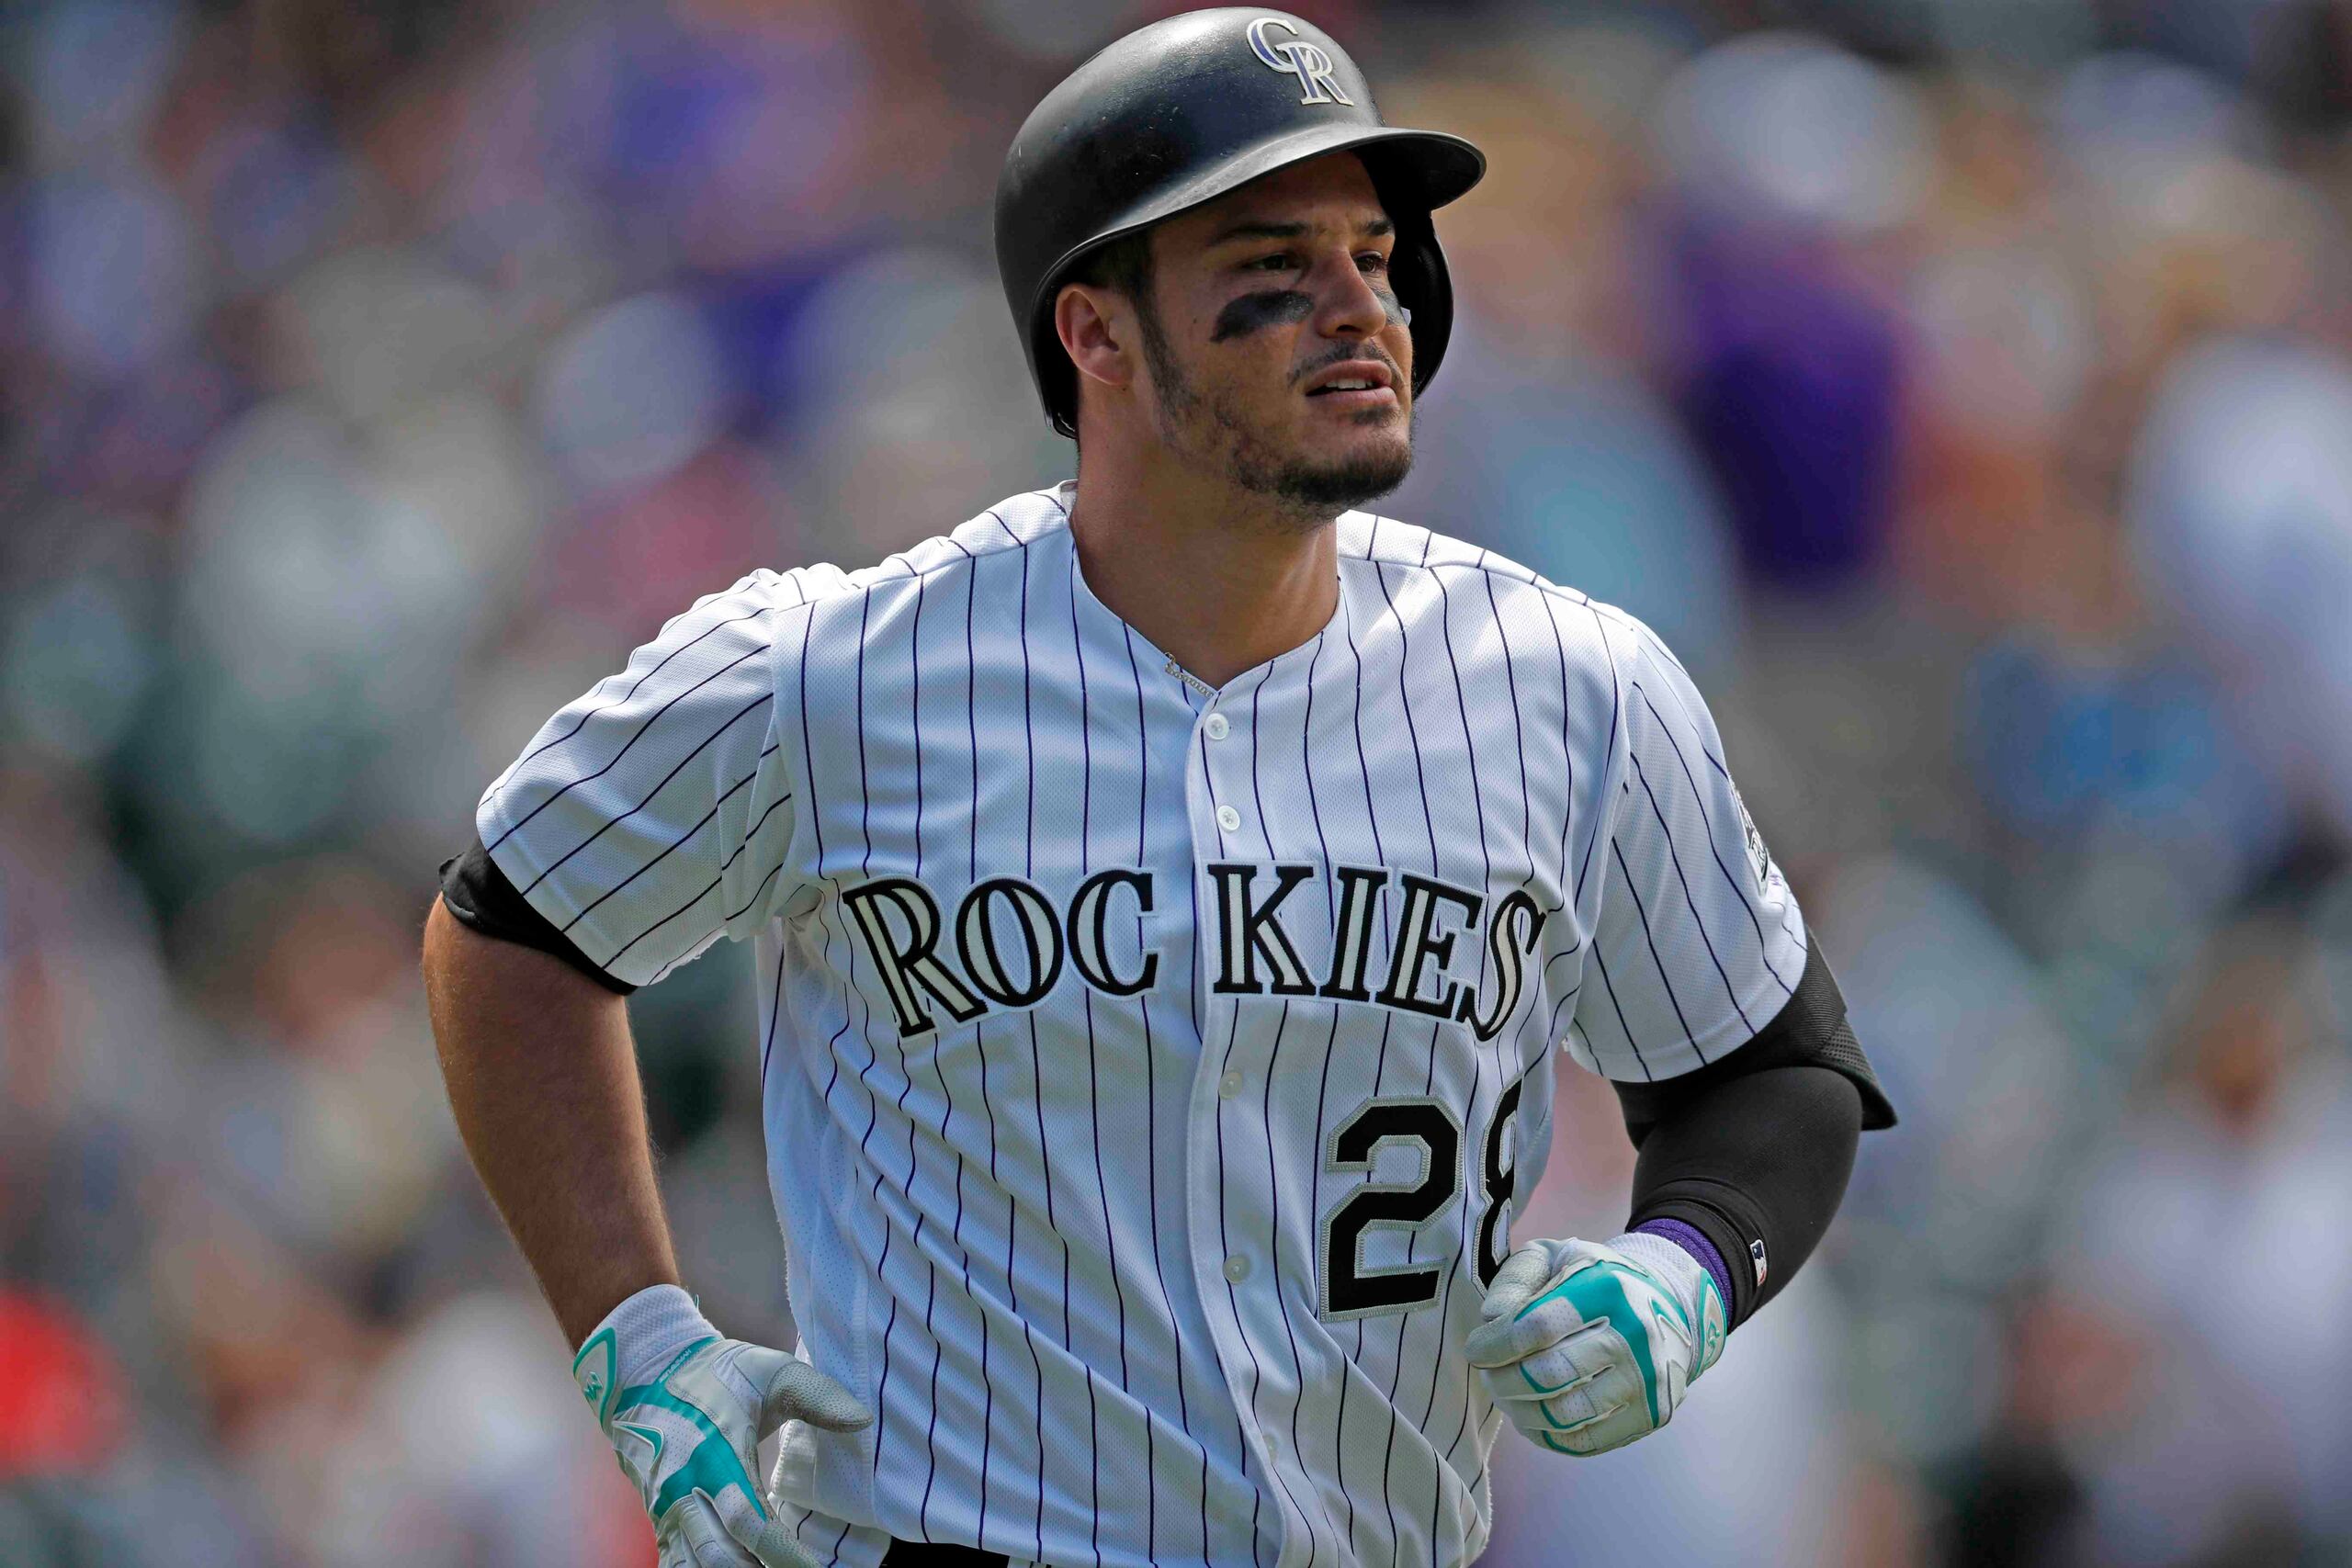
<point>1149,1070</point>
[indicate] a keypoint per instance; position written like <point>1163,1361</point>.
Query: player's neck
<point>1218,581</point>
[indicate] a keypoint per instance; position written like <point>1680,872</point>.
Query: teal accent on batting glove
<point>686,1410</point>
<point>1588,1346</point>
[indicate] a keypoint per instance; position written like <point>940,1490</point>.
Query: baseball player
<point>1172,894</point>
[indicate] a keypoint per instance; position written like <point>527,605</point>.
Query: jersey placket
<point>1229,1224</point>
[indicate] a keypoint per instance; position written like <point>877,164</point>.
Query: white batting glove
<point>1588,1346</point>
<point>686,1409</point>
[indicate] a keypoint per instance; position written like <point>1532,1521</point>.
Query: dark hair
<point>1122,265</point>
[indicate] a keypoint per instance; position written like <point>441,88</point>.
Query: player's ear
<point>1099,333</point>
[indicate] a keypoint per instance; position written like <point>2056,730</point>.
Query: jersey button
<point>1218,726</point>
<point>1228,819</point>
<point>1229,1084</point>
<point>1236,1269</point>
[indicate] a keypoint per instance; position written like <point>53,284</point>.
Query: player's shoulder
<point>879,592</point>
<point>1590,628</point>
<point>1015,523</point>
<point>1393,542</point>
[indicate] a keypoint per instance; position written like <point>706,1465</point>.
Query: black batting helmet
<point>1182,112</point>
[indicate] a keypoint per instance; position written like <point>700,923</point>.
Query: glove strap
<point>637,1343</point>
<point>1695,1242</point>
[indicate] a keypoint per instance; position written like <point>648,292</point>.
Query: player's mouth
<point>1353,385</point>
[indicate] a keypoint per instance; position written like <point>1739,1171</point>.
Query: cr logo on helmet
<point>1307,61</point>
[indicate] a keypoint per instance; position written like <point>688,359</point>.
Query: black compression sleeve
<point>1754,1150</point>
<point>1759,1162</point>
<point>481,897</point>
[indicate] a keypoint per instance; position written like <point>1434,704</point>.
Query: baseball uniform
<point>1150,1069</point>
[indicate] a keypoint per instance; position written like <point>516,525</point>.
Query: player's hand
<point>685,1409</point>
<point>1587,1348</point>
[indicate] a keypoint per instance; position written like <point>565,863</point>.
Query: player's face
<point>1282,357</point>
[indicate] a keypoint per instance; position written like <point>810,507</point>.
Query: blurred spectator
<point>1784,155</point>
<point>2240,504</point>
<point>2212,1238</point>
<point>61,1393</point>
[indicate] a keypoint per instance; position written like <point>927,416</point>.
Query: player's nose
<point>1348,306</point>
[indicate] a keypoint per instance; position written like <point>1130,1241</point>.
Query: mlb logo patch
<point>1756,1256</point>
<point>1759,858</point>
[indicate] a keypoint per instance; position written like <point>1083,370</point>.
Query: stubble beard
<point>1211,433</point>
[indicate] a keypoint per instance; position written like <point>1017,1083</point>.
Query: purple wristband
<point>1690,1239</point>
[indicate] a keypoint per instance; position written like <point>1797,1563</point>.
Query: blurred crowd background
<point>1962,387</point>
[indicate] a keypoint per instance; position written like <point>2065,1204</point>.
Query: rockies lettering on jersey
<point>907,959</point>
<point>1150,1073</point>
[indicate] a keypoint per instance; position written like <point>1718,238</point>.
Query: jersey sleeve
<point>1697,942</point>
<point>654,814</point>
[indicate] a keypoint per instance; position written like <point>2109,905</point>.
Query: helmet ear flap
<point>1417,271</point>
<point>1056,377</point>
